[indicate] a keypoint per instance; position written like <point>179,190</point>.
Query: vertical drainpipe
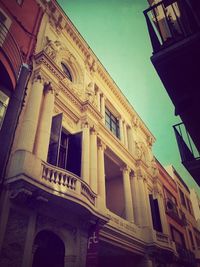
<point>11,120</point>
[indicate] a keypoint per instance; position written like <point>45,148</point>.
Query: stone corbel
<point>149,141</point>
<point>21,195</point>
<point>135,122</point>
<point>91,64</point>
<point>55,18</point>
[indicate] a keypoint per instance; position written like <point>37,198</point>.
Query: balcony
<point>174,30</point>
<point>51,182</point>
<point>189,154</point>
<point>170,22</point>
<point>10,50</point>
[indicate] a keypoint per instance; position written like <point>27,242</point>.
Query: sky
<point>116,31</point>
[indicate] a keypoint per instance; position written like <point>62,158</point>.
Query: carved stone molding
<point>43,61</point>
<point>101,144</point>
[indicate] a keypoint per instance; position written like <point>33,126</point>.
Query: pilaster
<point>101,174</point>
<point>103,106</point>
<point>93,159</point>
<point>125,134</point>
<point>85,167</point>
<point>121,129</point>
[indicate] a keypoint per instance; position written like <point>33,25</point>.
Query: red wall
<point>25,21</point>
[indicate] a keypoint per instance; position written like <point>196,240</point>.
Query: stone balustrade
<point>66,182</point>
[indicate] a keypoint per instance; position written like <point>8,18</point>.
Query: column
<point>121,129</point>
<point>130,140</point>
<point>101,174</point>
<point>125,134</point>
<point>85,167</point>
<point>127,195</point>
<point>31,115</point>
<point>144,218</point>
<point>93,159</point>
<point>98,100</point>
<point>44,129</point>
<point>135,197</point>
<point>103,106</point>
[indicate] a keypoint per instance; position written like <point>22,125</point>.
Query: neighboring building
<point>81,162</point>
<point>174,29</point>
<point>196,205</point>
<point>18,32</point>
<point>187,218</point>
<point>177,220</point>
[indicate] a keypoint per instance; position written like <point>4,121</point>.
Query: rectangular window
<point>177,237</point>
<point>155,213</point>
<point>112,123</point>
<point>64,148</point>
<point>170,201</point>
<point>183,202</point>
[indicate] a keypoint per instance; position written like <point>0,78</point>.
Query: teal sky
<point>116,32</point>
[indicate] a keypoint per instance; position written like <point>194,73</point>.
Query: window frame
<point>66,71</point>
<point>112,123</point>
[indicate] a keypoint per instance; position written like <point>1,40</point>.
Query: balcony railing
<point>10,50</point>
<point>186,146</point>
<point>190,156</point>
<point>170,21</point>
<point>66,182</point>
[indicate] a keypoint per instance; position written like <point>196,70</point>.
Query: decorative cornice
<point>43,60</point>
<point>66,110</point>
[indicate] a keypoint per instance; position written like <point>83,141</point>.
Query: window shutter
<point>54,144</point>
<point>74,153</point>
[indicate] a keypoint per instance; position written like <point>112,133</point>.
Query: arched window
<point>66,71</point>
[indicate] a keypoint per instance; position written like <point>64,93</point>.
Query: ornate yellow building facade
<point>81,157</point>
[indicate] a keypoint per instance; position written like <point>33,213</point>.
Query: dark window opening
<point>112,123</point>
<point>155,213</point>
<point>183,202</point>
<point>64,148</point>
<point>66,71</point>
<point>178,237</point>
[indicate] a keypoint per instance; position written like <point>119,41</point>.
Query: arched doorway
<point>50,250</point>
